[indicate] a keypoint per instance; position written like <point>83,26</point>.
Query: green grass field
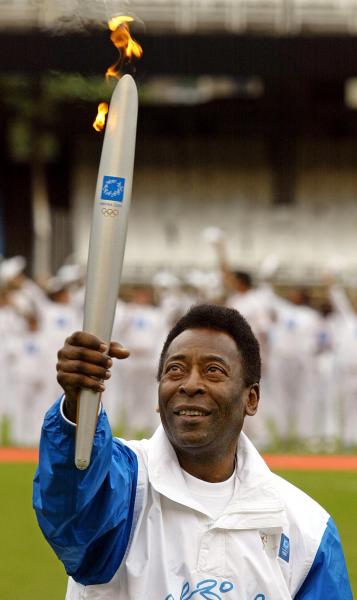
<point>29,570</point>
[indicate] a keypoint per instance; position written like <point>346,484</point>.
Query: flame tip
<point>119,20</point>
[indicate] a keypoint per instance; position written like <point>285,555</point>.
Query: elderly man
<point>194,512</point>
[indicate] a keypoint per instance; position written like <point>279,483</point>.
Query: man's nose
<point>193,384</point>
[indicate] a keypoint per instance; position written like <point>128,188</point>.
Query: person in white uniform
<point>12,329</point>
<point>26,296</point>
<point>327,393</point>
<point>255,304</point>
<point>140,327</point>
<point>72,275</point>
<point>31,381</point>
<point>169,297</point>
<point>346,363</point>
<point>292,367</point>
<point>58,318</point>
<point>194,512</point>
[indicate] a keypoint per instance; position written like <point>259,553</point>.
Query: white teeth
<point>191,413</point>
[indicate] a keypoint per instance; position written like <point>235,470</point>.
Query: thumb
<point>116,350</point>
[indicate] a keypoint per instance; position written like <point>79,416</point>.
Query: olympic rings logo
<point>109,212</point>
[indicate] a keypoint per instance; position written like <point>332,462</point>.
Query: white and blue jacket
<point>128,529</point>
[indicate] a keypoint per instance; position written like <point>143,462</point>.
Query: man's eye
<point>215,369</point>
<point>173,368</point>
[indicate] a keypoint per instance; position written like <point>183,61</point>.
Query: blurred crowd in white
<point>309,353</point>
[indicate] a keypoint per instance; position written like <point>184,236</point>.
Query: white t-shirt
<point>214,497</point>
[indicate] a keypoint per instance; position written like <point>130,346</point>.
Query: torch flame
<point>127,48</point>
<point>123,41</point>
<point>99,121</point>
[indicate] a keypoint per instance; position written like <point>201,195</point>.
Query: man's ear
<point>252,400</point>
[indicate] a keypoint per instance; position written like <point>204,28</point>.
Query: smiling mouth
<point>191,413</point>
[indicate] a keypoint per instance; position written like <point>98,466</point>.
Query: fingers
<point>80,355</point>
<point>83,340</point>
<point>90,369</point>
<point>84,362</point>
<point>86,340</point>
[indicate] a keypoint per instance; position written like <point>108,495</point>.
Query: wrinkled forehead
<point>204,341</point>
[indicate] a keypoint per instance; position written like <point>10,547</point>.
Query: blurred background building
<point>245,190</point>
<point>247,122</point>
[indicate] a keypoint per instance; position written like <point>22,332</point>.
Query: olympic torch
<point>107,242</point>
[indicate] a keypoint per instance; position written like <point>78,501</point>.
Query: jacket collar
<point>256,502</point>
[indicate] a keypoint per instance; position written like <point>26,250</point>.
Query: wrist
<point>70,409</point>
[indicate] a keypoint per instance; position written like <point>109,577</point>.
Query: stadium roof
<point>269,16</point>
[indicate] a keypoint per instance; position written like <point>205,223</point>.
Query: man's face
<point>202,395</point>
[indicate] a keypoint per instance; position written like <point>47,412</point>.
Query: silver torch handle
<point>107,242</point>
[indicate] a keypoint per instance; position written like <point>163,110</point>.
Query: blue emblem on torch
<point>113,189</point>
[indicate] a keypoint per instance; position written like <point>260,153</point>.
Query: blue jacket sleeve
<point>86,516</point>
<point>328,577</point>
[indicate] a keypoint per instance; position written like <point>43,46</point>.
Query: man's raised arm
<point>86,516</point>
